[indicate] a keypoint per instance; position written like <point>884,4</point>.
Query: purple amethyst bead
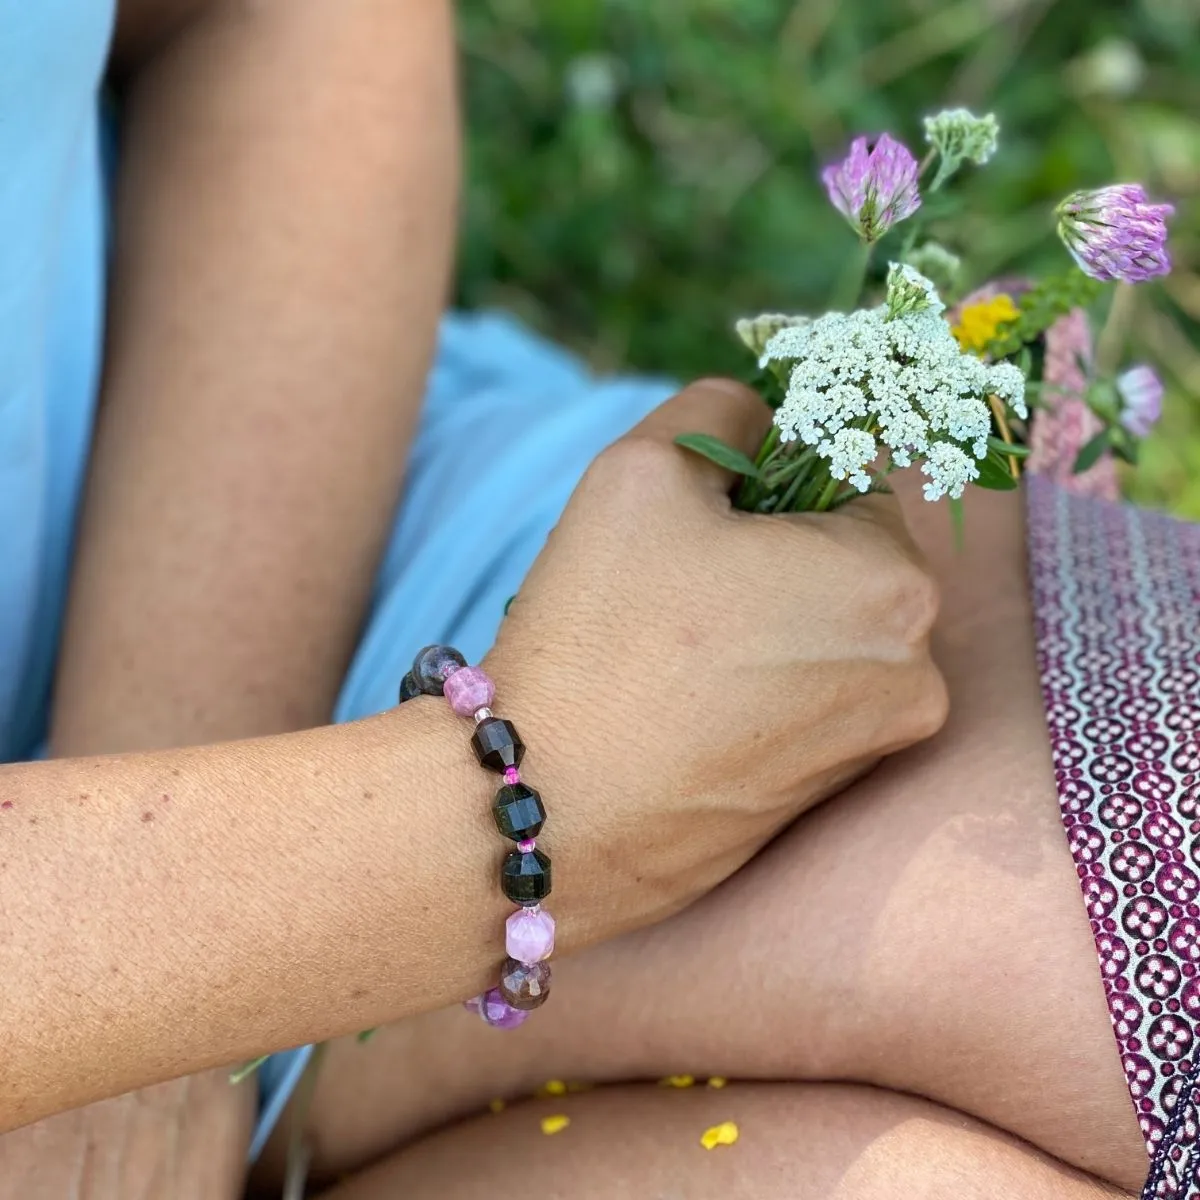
<point>496,1011</point>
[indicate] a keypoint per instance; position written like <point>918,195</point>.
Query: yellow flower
<point>977,324</point>
<point>677,1081</point>
<point>553,1087</point>
<point>496,1105</point>
<point>717,1081</point>
<point>555,1124</point>
<point>724,1134</point>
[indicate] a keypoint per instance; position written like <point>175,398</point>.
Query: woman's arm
<point>160,913</point>
<point>285,217</point>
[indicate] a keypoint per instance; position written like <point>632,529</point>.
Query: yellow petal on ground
<point>724,1134</point>
<point>553,1087</point>
<point>717,1081</point>
<point>677,1081</point>
<point>496,1105</point>
<point>555,1124</point>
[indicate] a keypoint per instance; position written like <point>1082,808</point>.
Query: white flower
<point>866,381</point>
<point>849,451</point>
<point>958,134</point>
<point>756,332</point>
<point>908,291</point>
<point>949,471</point>
<point>937,263</point>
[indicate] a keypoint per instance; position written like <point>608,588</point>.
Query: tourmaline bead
<point>497,744</point>
<point>497,1011</point>
<point>434,665</point>
<point>519,812</point>
<point>524,986</point>
<point>469,690</point>
<point>529,935</point>
<point>525,878</point>
<point>409,688</point>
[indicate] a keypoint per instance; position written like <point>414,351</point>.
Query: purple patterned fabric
<point>1117,609</point>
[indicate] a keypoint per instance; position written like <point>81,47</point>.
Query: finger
<point>721,408</point>
<point>877,515</point>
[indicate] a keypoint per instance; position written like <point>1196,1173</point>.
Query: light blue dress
<point>508,427</point>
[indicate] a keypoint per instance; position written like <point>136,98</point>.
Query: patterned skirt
<point>1117,608</point>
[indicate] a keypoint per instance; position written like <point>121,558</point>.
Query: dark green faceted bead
<point>497,744</point>
<point>433,664</point>
<point>518,811</point>
<point>525,878</point>
<point>409,688</point>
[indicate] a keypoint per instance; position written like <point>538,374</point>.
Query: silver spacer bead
<point>482,714</point>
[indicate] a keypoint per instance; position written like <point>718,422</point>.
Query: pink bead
<point>512,775</point>
<point>529,935</point>
<point>468,690</point>
<point>528,846</point>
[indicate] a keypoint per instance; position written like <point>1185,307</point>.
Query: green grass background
<point>642,172</point>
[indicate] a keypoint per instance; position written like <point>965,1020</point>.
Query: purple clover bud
<point>1113,233</point>
<point>874,188</point>
<point>1141,392</point>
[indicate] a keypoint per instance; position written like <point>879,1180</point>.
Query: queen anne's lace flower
<point>861,382</point>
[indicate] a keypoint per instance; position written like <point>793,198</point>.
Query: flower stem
<point>849,287</point>
<point>1111,342</point>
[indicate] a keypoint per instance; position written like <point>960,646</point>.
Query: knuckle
<point>930,707</point>
<point>911,598</point>
<point>633,467</point>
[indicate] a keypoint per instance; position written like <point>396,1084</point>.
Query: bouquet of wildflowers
<point>903,382</point>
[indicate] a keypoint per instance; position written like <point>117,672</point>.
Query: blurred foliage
<point>642,172</point>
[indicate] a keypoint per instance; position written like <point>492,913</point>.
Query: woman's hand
<point>689,678</point>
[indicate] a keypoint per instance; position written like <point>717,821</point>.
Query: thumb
<point>723,409</point>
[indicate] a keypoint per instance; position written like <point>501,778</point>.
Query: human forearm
<point>166,912</point>
<point>285,218</point>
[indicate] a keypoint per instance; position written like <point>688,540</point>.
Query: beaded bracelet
<point>525,876</point>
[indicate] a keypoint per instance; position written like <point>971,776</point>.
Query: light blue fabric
<point>52,236</point>
<point>508,427</point>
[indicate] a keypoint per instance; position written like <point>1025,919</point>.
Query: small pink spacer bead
<point>512,775</point>
<point>468,690</point>
<point>528,846</point>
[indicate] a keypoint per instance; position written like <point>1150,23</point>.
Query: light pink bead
<point>528,846</point>
<point>468,690</point>
<point>512,775</point>
<point>529,935</point>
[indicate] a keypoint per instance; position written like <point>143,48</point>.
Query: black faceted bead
<point>518,811</point>
<point>409,688</point>
<point>525,878</point>
<point>433,664</point>
<point>497,744</point>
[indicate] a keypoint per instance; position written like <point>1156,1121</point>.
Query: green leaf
<point>366,1035</point>
<point>1008,449</point>
<point>995,474</point>
<point>247,1069</point>
<point>717,451</point>
<point>1090,455</point>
